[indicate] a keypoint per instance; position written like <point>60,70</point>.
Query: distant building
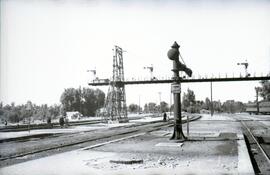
<point>264,107</point>
<point>204,111</point>
<point>74,115</point>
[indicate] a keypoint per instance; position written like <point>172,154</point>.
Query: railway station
<point>115,143</point>
<point>171,120</point>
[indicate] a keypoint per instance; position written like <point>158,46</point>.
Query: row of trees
<point>190,104</point>
<point>85,100</point>
<point>27,112</point>
<point>149,107</point>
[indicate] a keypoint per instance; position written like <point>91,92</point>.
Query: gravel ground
<point>220,157</point>
<point>214,155</point>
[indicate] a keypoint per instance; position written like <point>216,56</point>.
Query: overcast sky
<point>47,46</point>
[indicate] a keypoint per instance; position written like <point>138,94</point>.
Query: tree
<point>69,99</point>
<point>239,106</point>
<point>13,116</point>
<point>24,112</point>
<point>16,113</point>
<point>171,107</point>
<point>11,113</point>
<point>217,106</point>
<point>133,107</point>
<point>92,100</point>
<point>86,101</point>
<point>146,109</point>
<point>232,106</point>
<point>265,90</point>
<point>228,106</point>
<point>100,98</point>
<point>185,102</point>
<point>63,111</point>
<point>54,111</point>
<point>198,106</point>
<point>188,100</point>
<point>164,107</point>
<point>152,107</point>
<point>207,104</point>
<point>89,102</point>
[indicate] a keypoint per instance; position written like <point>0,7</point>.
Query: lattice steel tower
<point>115,105</point>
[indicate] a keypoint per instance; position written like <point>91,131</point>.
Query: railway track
<point>17,151</point>
<point>259,152</point>
<point>43,135</point>
<point>25,127</point>
<point>74,141</point>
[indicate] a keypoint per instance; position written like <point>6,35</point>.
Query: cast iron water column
<point>173,54</point>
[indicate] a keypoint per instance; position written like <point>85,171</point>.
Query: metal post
<point>159,93</point>
<point>257,101</point>
<point>170,103</point>
<point>29,109</point>
<point>29,124</point>
<point>139,104</point>
<point>80,101</point>
<point>212,110</point>
<point>178,132</point>
<point>188,125</point>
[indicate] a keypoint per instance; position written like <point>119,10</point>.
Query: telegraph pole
<point>170,103</point>
<point>159,93</point>
<point>212,108</point>
<point>139,104</point>
<point>257,89</point>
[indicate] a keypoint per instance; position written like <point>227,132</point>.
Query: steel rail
<point>24,127</point>
<point>256,141</point>
<point>142,128</point>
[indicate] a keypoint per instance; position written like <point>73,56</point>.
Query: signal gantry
<point>115,104</point>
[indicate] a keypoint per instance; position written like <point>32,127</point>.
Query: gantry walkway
<point>104,82</point>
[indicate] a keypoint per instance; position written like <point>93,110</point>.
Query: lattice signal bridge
<point>105,82</point>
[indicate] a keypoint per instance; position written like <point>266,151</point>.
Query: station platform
<point>213,147</point>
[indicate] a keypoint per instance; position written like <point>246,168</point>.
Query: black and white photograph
<point>134,87</point>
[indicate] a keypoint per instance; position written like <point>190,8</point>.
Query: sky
<point>47,46</point>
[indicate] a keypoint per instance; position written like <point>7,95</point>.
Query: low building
<point>73,115</point>
<point>204,111</point>
<point>263,107</point>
